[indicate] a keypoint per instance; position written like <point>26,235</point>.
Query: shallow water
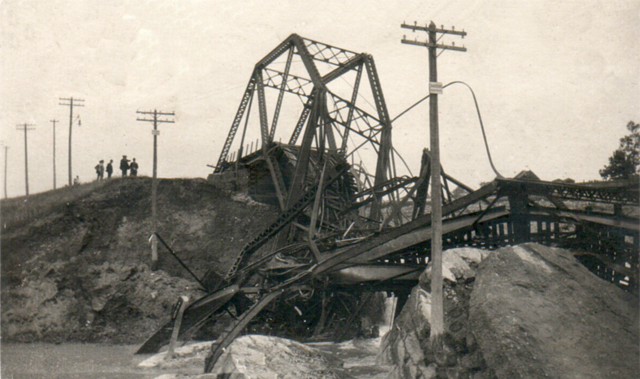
<point>93,361</point>
<point>74,360</point>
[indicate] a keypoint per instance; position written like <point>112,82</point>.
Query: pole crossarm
<point>155,116</point>
<point>72,100</point>
<point>159,121</point>
<point>436,45</point>
<point>430,43</point>
<point>441,30</point>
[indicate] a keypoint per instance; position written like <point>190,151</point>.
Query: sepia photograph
<point>355,189</point>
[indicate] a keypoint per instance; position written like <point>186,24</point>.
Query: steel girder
<point>613,192</point>
<point>293,269</point>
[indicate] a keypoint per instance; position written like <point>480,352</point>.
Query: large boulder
<point>256,356</point>
<point>406,345</point>
<point>456,264</point>
<point>402,347</point>
<point>536,312</point>
<point>531,312</point>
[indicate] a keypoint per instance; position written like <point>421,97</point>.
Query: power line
<point>78,103</point>
<point>26,127</point>
<point>475,101</point>
<point>154,183</point>
<point>484,135</point>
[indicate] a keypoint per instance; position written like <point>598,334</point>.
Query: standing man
<point>134,168</point>
<point>124,165</point>
<point>100,170</point>
<point>109,169</point>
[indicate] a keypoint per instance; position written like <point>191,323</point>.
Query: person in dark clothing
<point>134,168</point>
<point>109,168</point>
<point>100,170</point>
<point>124,165</point>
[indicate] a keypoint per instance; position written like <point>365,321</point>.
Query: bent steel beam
<point>218,348</point>
<point>194,315</point>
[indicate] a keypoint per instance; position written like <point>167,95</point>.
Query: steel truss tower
<point>331,120</point>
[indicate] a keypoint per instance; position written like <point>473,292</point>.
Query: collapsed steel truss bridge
<point>344,233</point>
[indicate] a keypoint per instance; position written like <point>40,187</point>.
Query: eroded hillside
<point>80,271</point>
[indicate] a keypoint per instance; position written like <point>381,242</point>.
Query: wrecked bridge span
<point>341,227</point>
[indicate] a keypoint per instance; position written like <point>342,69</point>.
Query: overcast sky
<point>556,81</point>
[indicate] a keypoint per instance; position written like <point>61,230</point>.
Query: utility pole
<point>435,88</point>
<point>5,168</point>
<point>54,152</point>
<point>154,182</point>
<point>78,103</point>
<point>26,127</point>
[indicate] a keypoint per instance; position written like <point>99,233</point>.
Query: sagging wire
<point>484,135</point>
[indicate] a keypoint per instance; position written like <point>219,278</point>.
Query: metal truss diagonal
<point>294,84</point>
<point>354,97</point>
<point>236,122</point>
<point>303,118</point>
<point>262,104</point>
<point>307,60</point>
<point>276,113</point>
<point>277,52</point>
<point>328,54</point>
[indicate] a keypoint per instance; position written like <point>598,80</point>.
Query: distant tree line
<point>625,161</point>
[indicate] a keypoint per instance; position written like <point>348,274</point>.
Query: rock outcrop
<point>531,312</point>
<point>256,356</point>
<point>536,312</point>
<point>406,345</point>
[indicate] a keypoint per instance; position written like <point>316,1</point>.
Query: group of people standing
<point>125,166</point>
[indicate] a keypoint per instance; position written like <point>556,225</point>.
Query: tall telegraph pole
<point>6,148</point>
<point>435,88</point>
<point>25,127</point>
<point>71,102</point>
<point>54,152</point>
<point>154,182</point>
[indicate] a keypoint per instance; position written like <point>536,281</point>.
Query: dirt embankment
<point>81,272</point>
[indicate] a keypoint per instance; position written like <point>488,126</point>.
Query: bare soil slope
<point>81,271</point>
